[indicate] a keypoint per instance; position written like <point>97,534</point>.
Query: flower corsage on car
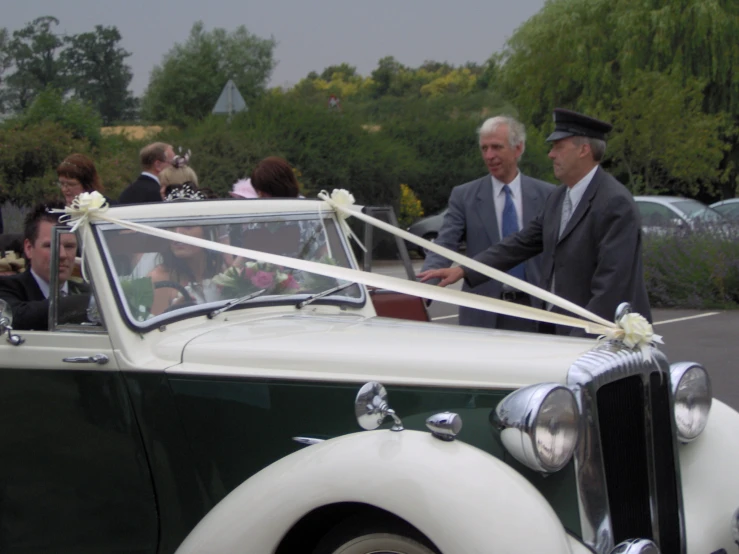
<point>240,280</point>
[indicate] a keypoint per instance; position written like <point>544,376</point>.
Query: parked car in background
<point>427,228</point>
<point>249,416</point>
<point>660,213</point>
<point>728,208</point>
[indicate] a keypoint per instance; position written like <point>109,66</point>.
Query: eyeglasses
<point>68,185</point>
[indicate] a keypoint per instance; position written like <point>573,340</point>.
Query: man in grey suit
<point>483,211</point>
<point>589,232</point>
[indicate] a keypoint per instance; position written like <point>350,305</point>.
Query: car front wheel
<point>370,536</point>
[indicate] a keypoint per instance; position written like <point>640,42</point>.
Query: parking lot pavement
<point>709,337</point>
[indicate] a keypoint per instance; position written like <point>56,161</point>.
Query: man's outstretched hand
<point>448,275</point>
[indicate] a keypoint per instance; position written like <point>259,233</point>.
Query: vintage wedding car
<point>219,408</point>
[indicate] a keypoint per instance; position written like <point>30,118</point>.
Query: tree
<point>4,65</point>
<point>33,54</point>
<point>577,53</point>
<point>344,69</point>
<point>662,139</point>
<point>187,83</point>
<point>97,71</point>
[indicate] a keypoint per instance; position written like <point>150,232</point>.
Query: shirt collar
<point>44,286</point>
<point>514,185</point>
<point>578,190</point>
<point>151,175</point>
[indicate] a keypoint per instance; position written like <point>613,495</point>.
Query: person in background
<point>486,210</point>
<point>184,268</point>
<point>589,231</point>
<point>77,174</point>
<point>154,158</point>
<point>177,174</point>
<point>243,189</point>
<point>274,178</point>
<point>27,293</point>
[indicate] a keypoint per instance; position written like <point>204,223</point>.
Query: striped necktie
<point>566,212</point>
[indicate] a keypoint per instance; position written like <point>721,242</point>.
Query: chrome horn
<point>371,407</point>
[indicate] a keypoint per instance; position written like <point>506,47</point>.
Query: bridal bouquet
<point>253,276</point>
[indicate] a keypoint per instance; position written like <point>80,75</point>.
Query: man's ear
<point>27,247</point>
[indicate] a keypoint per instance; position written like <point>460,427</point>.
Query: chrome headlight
<point>539,426</point>
<point>691,388</point>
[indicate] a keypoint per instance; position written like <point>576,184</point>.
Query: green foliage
<point>97,73</point>
<point>88,65</point>
<point>28,158</point>
<point>185,87</point>
<point>33,53</point>
<point>662,139</point>
<point>592,55</point>
<point>79,118</point>
<point>410,207</point>
<point>691,270</point>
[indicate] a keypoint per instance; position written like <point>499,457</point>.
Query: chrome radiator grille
<point>626,462</point>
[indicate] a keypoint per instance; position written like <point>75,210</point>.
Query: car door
<point>73,472</point>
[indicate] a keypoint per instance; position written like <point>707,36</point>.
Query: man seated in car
<point>27,293</point>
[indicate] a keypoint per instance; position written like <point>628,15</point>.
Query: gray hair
<point>597,146</point>
<point>516,130</point>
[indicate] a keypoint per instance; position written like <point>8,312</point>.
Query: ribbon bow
<point>84,207</point>
<point>340,200</point>
<point>635,332</point>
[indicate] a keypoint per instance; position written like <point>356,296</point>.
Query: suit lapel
<point>582,207</point>
<point>486,209</point>
<point>528,197</point>
<point>29,283</point>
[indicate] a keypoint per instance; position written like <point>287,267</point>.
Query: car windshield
<point>698,211</point>
<point>157,279</point>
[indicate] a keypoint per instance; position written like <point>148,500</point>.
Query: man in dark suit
<point>589,232</point>
<point>154,158</point>
<point>483,211</point>
<point>27,293</point>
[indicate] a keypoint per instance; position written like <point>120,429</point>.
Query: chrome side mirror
<point>371,407</point>
<point>6,324</point>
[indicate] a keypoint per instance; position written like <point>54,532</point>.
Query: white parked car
<point>269,410</point>
<point>728,208</point>
<point>674,212</point>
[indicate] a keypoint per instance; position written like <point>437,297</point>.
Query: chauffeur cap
<point>572,124</point>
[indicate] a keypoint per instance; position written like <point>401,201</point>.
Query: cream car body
<point>187,431</point>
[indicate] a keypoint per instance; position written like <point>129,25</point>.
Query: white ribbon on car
<point>635,331</point>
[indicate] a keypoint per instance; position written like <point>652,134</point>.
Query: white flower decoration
<point>343,198</point>
<point>636,330</point>
<point>82,208</point>
<point>340,200</point>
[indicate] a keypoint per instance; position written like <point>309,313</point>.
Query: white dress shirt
<point>499,200</point>
<point>44,286</point>
<point>578,189</point>
<point>151,175</point>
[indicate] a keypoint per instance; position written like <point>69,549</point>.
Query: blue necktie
<point>510,226</point>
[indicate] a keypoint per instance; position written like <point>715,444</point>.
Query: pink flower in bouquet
<point>290,283</point>
<point>262,279</point>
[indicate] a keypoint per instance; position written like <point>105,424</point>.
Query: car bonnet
<point>351,348</point>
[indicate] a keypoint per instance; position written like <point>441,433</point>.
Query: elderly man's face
<point>499,156</point>
<point>39,253</point>
<point>567,157</point>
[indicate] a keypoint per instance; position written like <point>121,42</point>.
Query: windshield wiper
<point>235,301</point>
<point>327,292</point>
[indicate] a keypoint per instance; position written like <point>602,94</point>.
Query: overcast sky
<point>310,34</point>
